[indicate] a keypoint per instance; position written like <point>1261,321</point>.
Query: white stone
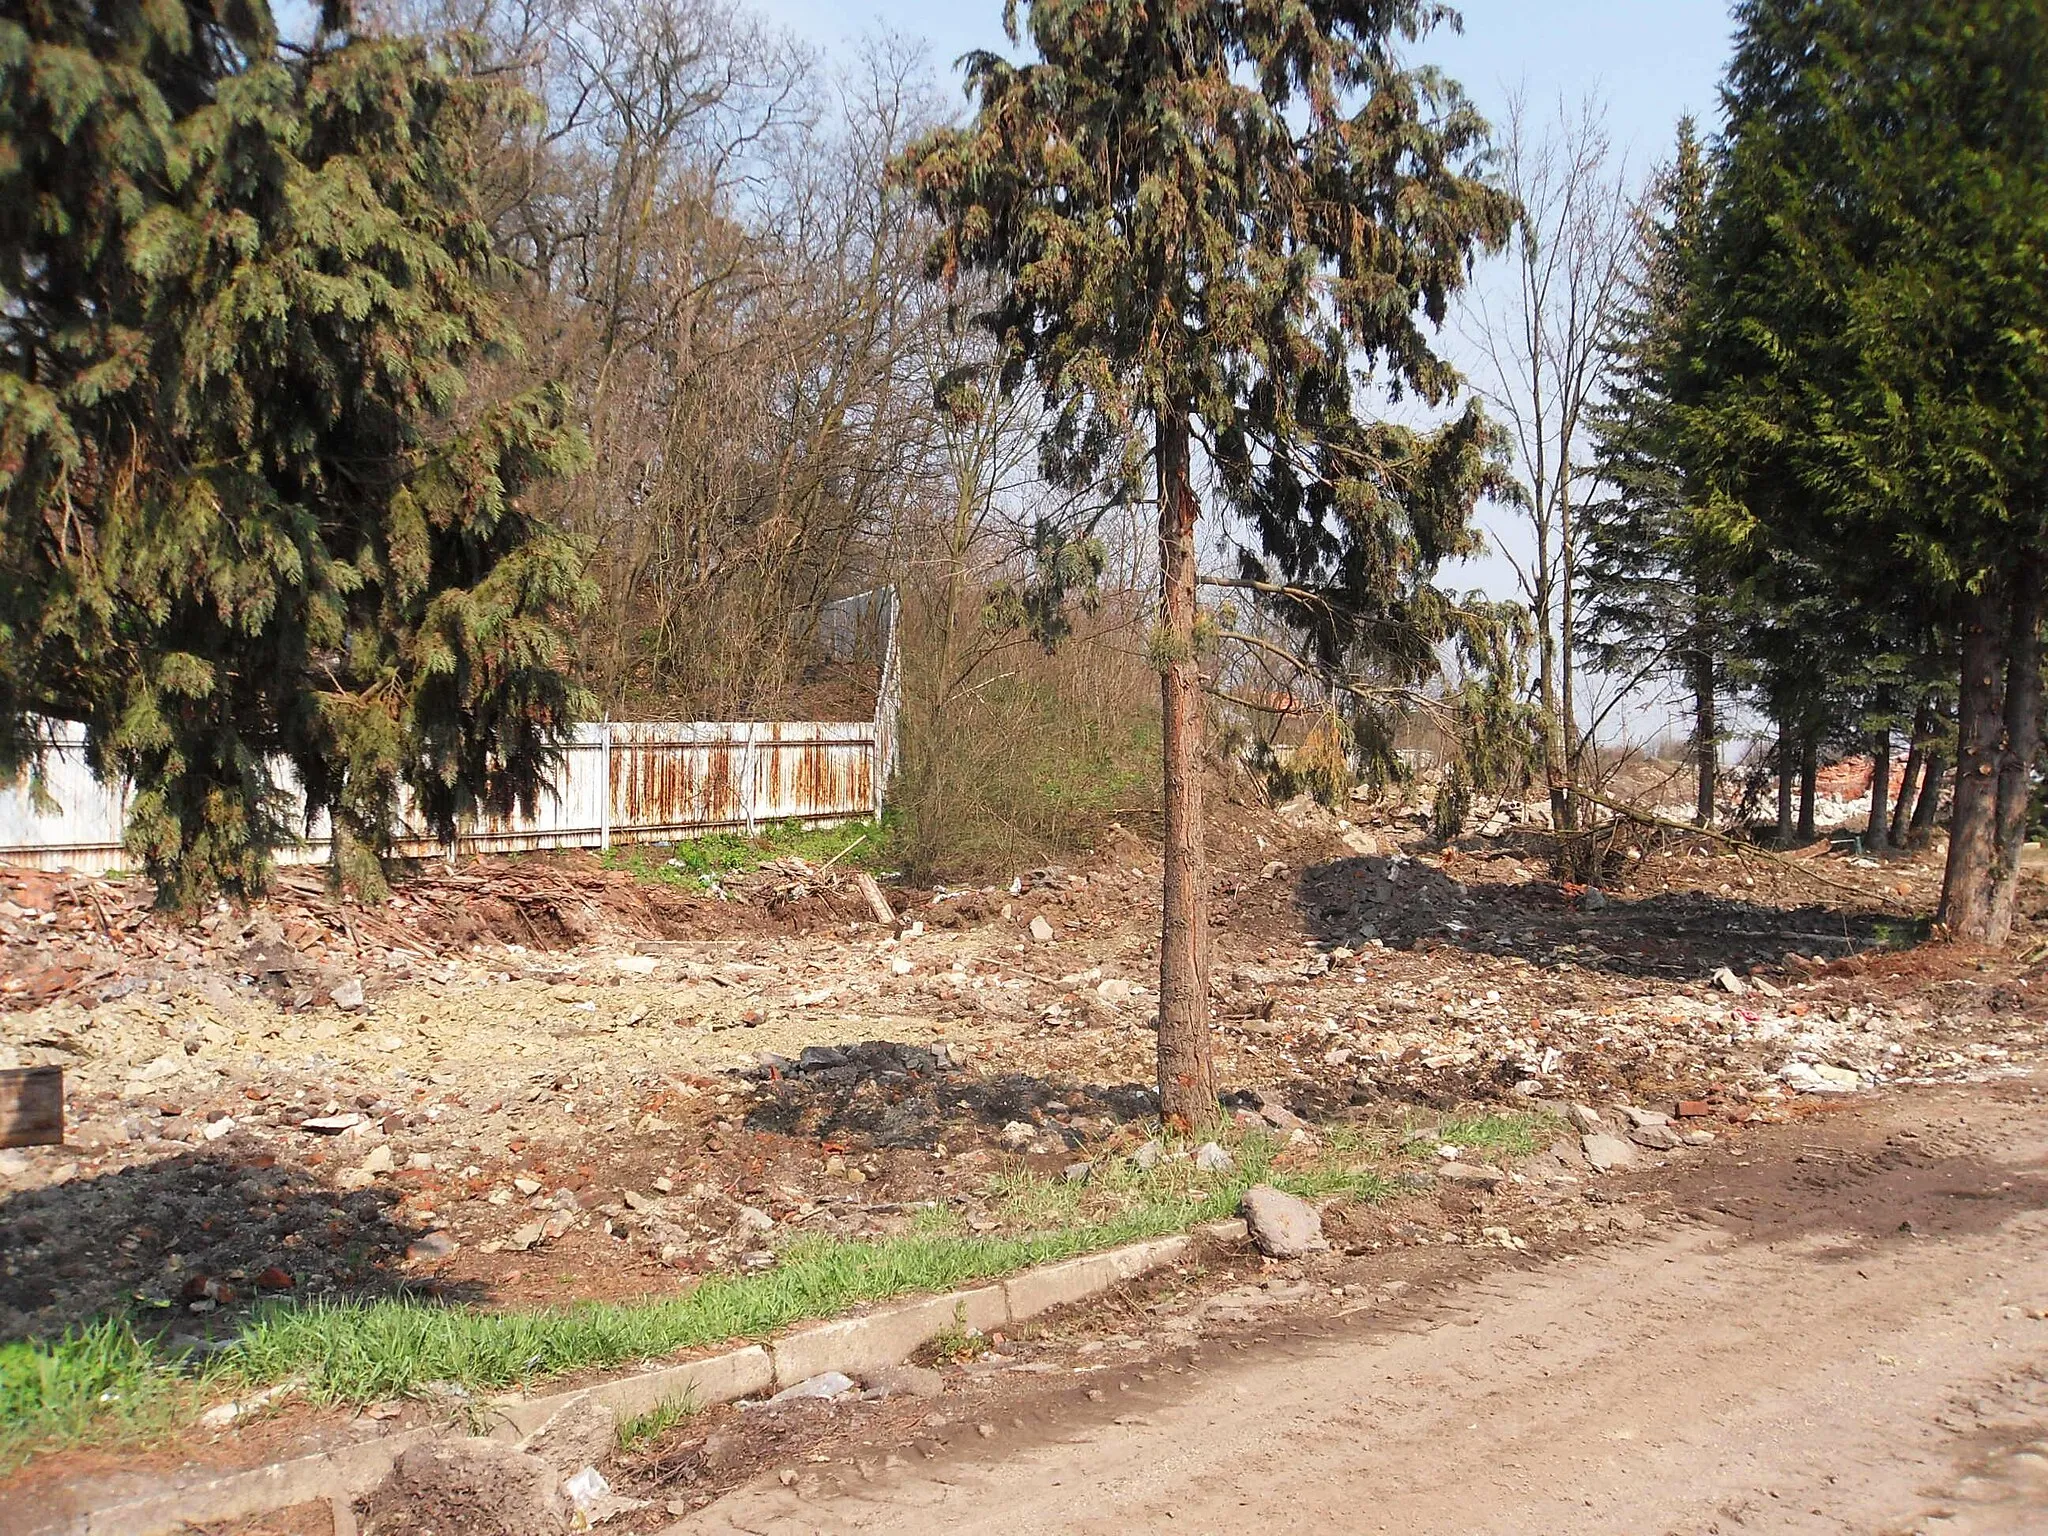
<point>827,1384</point>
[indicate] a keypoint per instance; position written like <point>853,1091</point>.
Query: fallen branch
<point>1746,849</point>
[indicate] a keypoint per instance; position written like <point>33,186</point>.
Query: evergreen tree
<point>1655,564</point>
<point>1201,216</point>
<point>248,527</point>
<point>1878,269</point>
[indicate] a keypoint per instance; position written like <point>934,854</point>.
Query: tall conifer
<point>248,523</point>
<point>1204,220</point>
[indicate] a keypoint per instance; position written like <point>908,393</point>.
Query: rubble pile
<point>542,1078</point>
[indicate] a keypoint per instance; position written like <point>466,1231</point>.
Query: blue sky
<point>1651,59</point>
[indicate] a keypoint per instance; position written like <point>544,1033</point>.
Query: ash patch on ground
<point>881,1093</point>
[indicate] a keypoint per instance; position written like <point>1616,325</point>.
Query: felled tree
<point>1878,270</point>
<point>245,519</point>
<point>1199,218</point>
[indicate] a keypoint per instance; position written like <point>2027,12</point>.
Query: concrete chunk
<point>1607,1153</point>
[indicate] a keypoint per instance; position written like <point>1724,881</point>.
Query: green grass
<point>102,1381</point>
<point>1174,1193</point>
<point>1513,1135</point>
<point>656,1421</point>
<point>109,1380</point>
<point>697,862</point>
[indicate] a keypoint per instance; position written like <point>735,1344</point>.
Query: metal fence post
<point>604,784</point>
<point>747,790</point>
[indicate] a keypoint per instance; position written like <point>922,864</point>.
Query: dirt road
<point>1839,1331</point>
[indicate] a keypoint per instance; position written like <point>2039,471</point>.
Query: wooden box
<point>31,1106</point>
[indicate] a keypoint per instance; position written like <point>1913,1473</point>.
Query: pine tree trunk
<point>1187,1077</point>
<point>1927,809</point>
<point>1879,831</point>
<point>1785,768</point>
<point>1916,762</point>
<point>1999,736</point>
<point>1965,892</point>
<point>2022,751</point>
<point>1809,782</point>
<point>1999,740</point>
<point>1706,737</point>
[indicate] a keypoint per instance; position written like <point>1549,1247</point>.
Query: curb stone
<point>1053,1285</point>
<point>886,1336</point>
<point>717,1379</point>
<point>857,1345</point>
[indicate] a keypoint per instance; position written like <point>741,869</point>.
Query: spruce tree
<point>1878,269</point>
<point>250,528</point>
<point>1655,565</point>
<point>1202,219</point>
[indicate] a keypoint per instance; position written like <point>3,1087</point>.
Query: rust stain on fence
<point>620,781</point>
<point>830,775</point>
<point>659,784</point>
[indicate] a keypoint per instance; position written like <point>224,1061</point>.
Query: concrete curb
<point>855,1345</point>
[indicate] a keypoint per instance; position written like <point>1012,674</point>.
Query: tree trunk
<point>1553,716</point>
<point>1706,736</point>
<point>1928,808</point>
<point>1187,1077</point>
<point>1785,769</point>
<point>1999,736</point>
<point>1879,831</point>
<point>1568,708</point>
<point>1809,782</point>
<point>1916,761</point>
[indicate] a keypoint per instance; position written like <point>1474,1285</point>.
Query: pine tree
<point>249,529</point>
<point>1878,269</point>
<point>1200,217</point>
<point>1655,566</point>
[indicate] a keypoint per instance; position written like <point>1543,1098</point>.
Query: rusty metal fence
<point>616,782</point>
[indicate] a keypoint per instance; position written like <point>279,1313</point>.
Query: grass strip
<point>107,1380</point>
<point>100,1380</point>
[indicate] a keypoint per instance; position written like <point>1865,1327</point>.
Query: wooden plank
<point>877,902</point>
<point>31,1106</point>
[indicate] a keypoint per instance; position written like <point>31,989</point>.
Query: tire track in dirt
<point>1820,1368</point>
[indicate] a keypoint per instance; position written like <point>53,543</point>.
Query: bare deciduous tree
<point>1542,345</point>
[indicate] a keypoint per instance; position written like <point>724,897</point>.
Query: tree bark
<point>1999,736</point>
<point>1706,733</point>
<point>1879,831</point>
<point>1785,768</point>
<point>1916,762</point>
<point>1809,782</point>
<point>1928,808</point>
<point>1568,708</point>
<point>1187,1075</point>
<point>1553,715</point>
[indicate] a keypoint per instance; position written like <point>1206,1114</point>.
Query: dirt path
<point>1839,1334</point>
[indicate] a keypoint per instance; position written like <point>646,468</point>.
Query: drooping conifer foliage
<point>1204,220</point>
<point>248,527</point>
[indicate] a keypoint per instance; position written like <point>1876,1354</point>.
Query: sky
<point>1649,61</point>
